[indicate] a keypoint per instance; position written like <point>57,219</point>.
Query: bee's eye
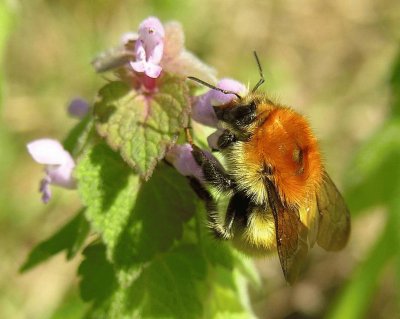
<point>245,114</point>
<point>240,115</point>
<point>242,110</point>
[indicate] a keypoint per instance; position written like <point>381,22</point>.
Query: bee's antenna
<point>213,87</point>
<point>262,80</point>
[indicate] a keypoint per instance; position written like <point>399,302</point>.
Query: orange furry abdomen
<point>284,142</point>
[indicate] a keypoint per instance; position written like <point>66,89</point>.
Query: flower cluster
<point>141,59</point>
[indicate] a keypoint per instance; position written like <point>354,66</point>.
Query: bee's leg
<point>238,208</point>
<point>220,231</point>
<point>226,139</point>
<point>214,173</point>
<point>229,219</point>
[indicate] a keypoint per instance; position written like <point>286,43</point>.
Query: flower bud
<point>78,108</point>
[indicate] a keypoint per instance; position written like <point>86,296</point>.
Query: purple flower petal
<point>157,53</point>
<point>202,108</point>
<point>180,156</point>
<point>44,188</point>
<point>212,139</point>
<point>219,98</point>
<point>61,175</point>
<point>152,70</point>
<point>151,25</point>
<point>59,165</point>
<point>78,107</point>
<point>139,66</point>
<point>149,48</point>
<point>203,112</point>
<point>140,51</point>
<point>47,151</point>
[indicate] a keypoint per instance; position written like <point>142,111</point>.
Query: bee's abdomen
<point>258,236</point>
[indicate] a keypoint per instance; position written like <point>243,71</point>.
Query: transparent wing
<point>309,216</point>
<point>291,236</point>
<point>334,217</point>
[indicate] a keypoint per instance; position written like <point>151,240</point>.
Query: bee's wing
<point>309,216</point>
<point>291,236</point>
<point>334,217</point>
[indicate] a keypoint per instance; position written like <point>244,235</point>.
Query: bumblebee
<point>281,198</point>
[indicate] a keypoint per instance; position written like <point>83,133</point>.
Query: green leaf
<point>175,284</point>
<point>375,174</point>
<point>394,220</point>
<point>136,219</point>
<point>79,136</point>
<point>163,205</point>
<point>217,252</point>
<point>142,127</point>
<point>226,294</point>
<point>98,276</point>
<point>395,86</point>
<point>157,261</point>
<point>108,189</point>
<point>70,238</point>
<point>167,287</point>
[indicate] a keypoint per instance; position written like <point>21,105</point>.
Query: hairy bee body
<point>281,198</point>
<point>278,145</point>
<point>257,237</point>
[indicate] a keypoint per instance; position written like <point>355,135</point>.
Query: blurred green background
<point>337,62</point>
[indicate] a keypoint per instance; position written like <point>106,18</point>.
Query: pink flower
<point>180,156</point>
<point>140,58</point>
<point>212,139</point>
<point>202,108</point>
<point>149,48</point>
<point>58,163</point>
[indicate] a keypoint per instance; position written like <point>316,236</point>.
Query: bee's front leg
<point>226,139</point>
<point>213,172</point>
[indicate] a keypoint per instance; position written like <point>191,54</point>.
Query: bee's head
<point>237,113</point>
<point>241,111</point>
